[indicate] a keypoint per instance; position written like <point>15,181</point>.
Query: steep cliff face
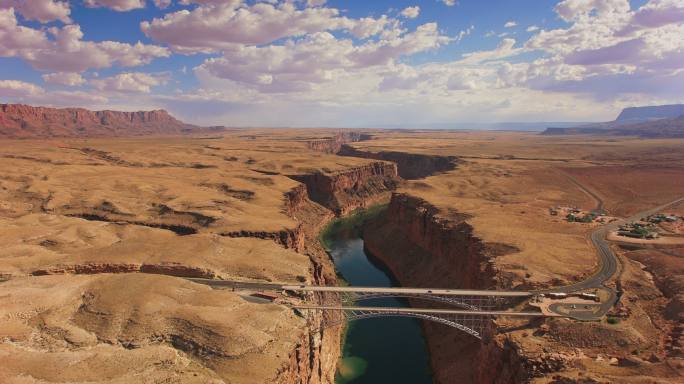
<point>499,361</point>
<point>314,359</point>
<point>647,122</point>
<point>334,144</point>
<point>289,238</point>
<point>344,191</point>
<point>24,121</point>
<point>410,165</point>
<point>660,128</point>
<point>313,204</point>
<point>637,114</point>
<point>427,243</point>
<point>425,248</point>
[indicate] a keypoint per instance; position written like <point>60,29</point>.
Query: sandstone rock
<point>25,121</point>
<point>334,144</point>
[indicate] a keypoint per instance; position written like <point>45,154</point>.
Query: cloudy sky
<point>345,63</point>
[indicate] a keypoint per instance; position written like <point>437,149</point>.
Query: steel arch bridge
<point>474,323</point>
<point>463,299</point>
<point>470,303</point>
<point>474,326</point>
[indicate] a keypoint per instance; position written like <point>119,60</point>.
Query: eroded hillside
<point>97,236</point>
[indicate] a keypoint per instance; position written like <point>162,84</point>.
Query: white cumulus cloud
<point>320,57</point>
<point>18,89</point>
<point>40,10</point>
<point>315,3</point>
<point>218,26</point>
<point>64,78</point>
<point>133,82</point>
<point>117,5</point>
<point>411,12</point>
<point>64,50</point>
<point>23,92</point>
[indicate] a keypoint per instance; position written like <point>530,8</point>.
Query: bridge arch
<point>472,325</point>
<point>440,299</point>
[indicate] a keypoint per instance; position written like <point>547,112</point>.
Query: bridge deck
<point>409,291</point>
<point>425,311</point>
<point>388,290</point>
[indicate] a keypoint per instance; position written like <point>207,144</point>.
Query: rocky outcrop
<point>636,114</point>
<point>25,121</point>
<point>427,243</point>
<point>288,238</point>
<point>647,122</point>
<point>662,128</point>
<point>312,205</point>
<point>314,359</point>
<point>410,166</point>
<point>296,200</point>
<point>334,144</point>
<point>424,247</point>
<point>170,269</point>
<point>499,361</point>
<point>353,188</point>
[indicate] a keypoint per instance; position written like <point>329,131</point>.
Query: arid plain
<point>97,235</point>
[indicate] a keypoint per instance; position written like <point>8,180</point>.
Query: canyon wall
<point>424,248</point>
<point>345,191</point>
<point>334,144</point>
<point>313,204</point>
<point>314,360</point>
<point>427,243</point>
<point>25,121</point>
<point>410,165</point>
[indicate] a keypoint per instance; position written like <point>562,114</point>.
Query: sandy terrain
<point>96,232</point>
<point>84,328</point>
<point>510,180</point>
<point>504,188</point>
<point>90,228</point>
<point>662,240</point>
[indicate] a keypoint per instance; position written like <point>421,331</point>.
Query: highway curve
<point>607,258</point>
<point>587,191</point>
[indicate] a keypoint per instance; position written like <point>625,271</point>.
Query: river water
<point>379,350</point>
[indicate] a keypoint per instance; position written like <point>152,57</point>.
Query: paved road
<point>608,263</point>
<point>423,311</point>
<point>410,291</point>
<point>237,285</point>
<point>315,288</point>
<point>597,198</point>
<point>607,258</point>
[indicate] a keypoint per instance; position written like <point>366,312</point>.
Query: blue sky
<point>345,63</point>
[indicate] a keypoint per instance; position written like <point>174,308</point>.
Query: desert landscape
<point>99,236</point>
<point>341,192</point>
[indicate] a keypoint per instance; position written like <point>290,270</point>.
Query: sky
<point>355,63</point>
